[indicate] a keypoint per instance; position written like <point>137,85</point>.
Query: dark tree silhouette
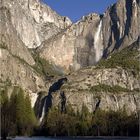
<point>63,102</point>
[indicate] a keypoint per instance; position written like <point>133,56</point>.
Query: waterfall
<point>43,112</point>
<point>98,44</point>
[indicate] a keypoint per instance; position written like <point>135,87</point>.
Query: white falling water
<point>98,44</point>
<point>43,112</point>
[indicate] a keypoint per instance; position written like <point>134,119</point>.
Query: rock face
<point>81,88</point>
<point>34,21</point>
<point>19,73</point>
<point>94,36</point>
<point>9,38</point>
<point>120,25</point>
<point>77,44</point>
<point>107,101</point>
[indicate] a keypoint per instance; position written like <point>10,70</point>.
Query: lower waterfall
<point>47,104</point>
<point>43,112</point>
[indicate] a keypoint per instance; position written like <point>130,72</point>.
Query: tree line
<point>85,123</point>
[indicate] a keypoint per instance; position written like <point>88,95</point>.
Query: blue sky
<point>75,9</point>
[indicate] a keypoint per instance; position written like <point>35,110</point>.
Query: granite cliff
<point>94,36</point>
<point>34,21</point>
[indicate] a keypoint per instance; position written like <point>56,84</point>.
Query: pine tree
<point>52,121</point>
<point>20,111</point>
<point>13,104</point>
<point>22,116</point>
<point>30,118</point>
<point>100,122</point>
<point>5,116</point>
<point>84,122</point>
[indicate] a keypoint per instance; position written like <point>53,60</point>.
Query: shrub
<point>3,46</point>
<point>43,67</point>
<point>125,58</point>
<point>107,88</point>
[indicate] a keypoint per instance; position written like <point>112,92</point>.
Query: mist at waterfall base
<point>78,138</point>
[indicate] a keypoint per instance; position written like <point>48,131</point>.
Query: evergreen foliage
<point>107,88</point>
<point>60,124</point>
<point>43,67</point>
<point>30,118</point>
<point>17,115</point>
<point>5,113</point>
<point>126,58</point>
<point>3,45</point>
<point>84,123</point>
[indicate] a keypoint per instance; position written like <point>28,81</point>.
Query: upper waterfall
<point>98,45</point>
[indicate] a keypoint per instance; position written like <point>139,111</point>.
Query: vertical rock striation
<point>120,25</point>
